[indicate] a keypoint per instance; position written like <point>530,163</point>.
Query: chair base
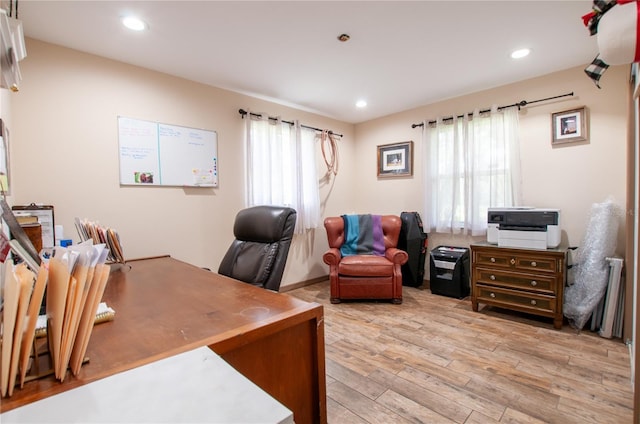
<point>372,288</point>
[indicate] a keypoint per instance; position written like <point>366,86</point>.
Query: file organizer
<point>89,230</point>
<point>75,279</point>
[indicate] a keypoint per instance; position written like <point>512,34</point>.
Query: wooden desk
<point>165,307</point>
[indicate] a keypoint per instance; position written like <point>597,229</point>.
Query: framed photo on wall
<point>395,160</point>
<point>569,126</point>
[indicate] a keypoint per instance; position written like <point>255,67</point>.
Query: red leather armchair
<point>365,276</point>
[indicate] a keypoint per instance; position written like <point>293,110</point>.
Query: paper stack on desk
<point>75,279</point>
<point>88,230</point>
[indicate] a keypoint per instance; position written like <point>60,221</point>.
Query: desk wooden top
<point>165,306</point>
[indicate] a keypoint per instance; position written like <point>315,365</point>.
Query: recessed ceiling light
<point>520,53</point>
<point>361,103</point>
<point>133,23</point>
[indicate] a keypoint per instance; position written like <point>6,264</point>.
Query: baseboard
<point>300,284</point>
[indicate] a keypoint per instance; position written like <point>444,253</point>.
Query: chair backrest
<point>391,225</point>
<point>259,253</point>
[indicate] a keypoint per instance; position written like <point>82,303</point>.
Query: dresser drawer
<point>511,299</point>
<point>521,261</point>
<point>538,283</point>
<point>525,280</point>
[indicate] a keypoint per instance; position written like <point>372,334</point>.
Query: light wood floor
<point>433,360</point>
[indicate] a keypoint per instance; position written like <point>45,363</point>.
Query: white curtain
<point>309,215</point>
<point>281,168</point>
<point>471,164</point>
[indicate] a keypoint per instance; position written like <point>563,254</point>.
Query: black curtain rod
<point>244,112</point>
<point>520,104</point>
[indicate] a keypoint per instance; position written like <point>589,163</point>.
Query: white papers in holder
<point>22,253</point>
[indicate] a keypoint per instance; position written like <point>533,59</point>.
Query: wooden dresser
<point>525,280</point>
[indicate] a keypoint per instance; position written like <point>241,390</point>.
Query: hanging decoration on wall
<point>618,34</point>
<point>329,148</point>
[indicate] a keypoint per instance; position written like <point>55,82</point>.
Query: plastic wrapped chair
<point>588,274</point>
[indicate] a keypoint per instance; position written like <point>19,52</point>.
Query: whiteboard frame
<point>157,154</point>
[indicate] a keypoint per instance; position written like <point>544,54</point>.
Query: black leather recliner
<point>259,253</point>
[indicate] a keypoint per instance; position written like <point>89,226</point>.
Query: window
<point>281,168</point>
<point>471,165</point>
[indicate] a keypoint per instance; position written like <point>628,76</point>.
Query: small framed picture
<point>569,126</point>
<point>395,160</point>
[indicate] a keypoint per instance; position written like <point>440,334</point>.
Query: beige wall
<point>570,177</point>
<point>64,151</point>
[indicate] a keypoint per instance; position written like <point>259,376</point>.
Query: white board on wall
<point>156,154</point>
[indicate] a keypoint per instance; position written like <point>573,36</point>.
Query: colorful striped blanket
<point>363,235</point>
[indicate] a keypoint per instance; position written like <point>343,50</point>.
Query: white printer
<point>531,228</point>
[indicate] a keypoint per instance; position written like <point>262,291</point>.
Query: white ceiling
<point>401,54</point>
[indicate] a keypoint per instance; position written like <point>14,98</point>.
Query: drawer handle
<point>492,295</point>
<point>512,261</point>
<point>492,277</point>
<point>492,259</point>
<point>533,263</point>
<point>534,283</point>
<point>533,302</point>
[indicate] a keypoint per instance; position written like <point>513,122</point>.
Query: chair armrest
<point>332,256</point>
<point>396,255</point>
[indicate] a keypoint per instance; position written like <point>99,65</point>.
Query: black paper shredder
<point>449,271</point>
